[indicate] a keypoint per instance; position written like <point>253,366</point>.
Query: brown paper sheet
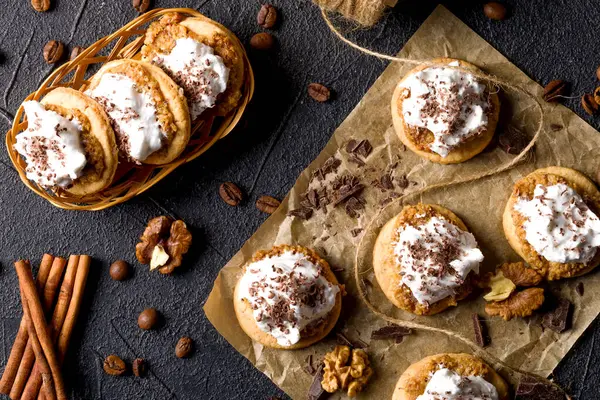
<point>566,141</point>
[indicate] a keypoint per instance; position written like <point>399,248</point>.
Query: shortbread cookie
<point>287,298</point>
<point>451,377</point>
<point>147,110</point>
<point>425,260</point>
<point>445,115</point>
<point>202,56</point>
<point>551,221</point>
<point>68,144</point>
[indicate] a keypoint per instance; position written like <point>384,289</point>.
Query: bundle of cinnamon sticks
<point>50,309</point>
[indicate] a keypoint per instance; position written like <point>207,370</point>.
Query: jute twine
<point>494,361</point>
<point>364,12</point>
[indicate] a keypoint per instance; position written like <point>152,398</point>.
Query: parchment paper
<point>567,141</point>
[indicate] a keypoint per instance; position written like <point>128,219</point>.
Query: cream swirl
<point>51,147</point>
<point>452,104</point>
<point>287,293</point>
<point>445,384</point>
<point>559,225</point>
<point>435,258</point>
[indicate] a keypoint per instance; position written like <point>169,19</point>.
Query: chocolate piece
<point>364,148</point>
<point>579,288</point>
<point>344,341</point>
<point>353,206</point>
<point>402,182</point>
<point>353,158</point>
<point>355,232</point>
<point>316,391</point>
<point>558,319</point>
<point>556,127</point>
<point>386,182</point>
<point>346,191</point>
<point>481,336</point>
<point>309,368</point>
<point>532,388</point>
<point>313,198</point>
<point>330,165</point>
<point>302,213</point>
<point>351,146</point>
<point>395,332</point>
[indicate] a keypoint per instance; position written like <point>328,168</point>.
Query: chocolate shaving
<point>556,127</point>
<point>402,182</point>
<point>316,391</point>
<point>364,148</point>
<point>558,320</point>
<point>356,160</point>
<point>353,206</point>
<point>309,367</point>
<point>337,269</point>
<point>386,182</point>
<point>313,198</point>
<point>331,165</point>
<point>395,332</point>
<point>356,231</point>
<point>579,288</point>
<point>302,213</point>
<point>532,388</point>
<point>344,341</point>
<point>481,335</point>
<point>347,191</point>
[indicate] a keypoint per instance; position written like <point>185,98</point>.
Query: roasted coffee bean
<point>141,6</point>
<point>267,16</point>
<point>40,5</point>
<point>494,10</point>
<point>53,51</point>
<point>555,90</point>
<point>267,204</point>
<point>319,92</point>
<point>75,52</point>
<point>184,347</point>
<point>589,104</point>
<point>148,319</point>
<point>230,193</point>
<point>262,41</point>
<point>597,95</point>
<point>113,365</point>
<point>119,270</point>
<point>139,367</point>
<point>598,73</point>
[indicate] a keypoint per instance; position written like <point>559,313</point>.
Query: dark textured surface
<point>284,130</point>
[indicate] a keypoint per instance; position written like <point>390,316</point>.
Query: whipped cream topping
<point>559,225</point>
<point>132,113</point>
<point>452,104</point>
<point>51,147</point>
<point>445,384</point>
<point>201,73</point>
<point>287,294</point>
<point>435,258</point>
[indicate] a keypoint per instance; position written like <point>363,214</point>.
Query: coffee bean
<point>53,51</point>
<point>148,319</point>
<point>555,90</point>
<point>319,92</point>
<point>230,193</point>
<point>597,95</point>
<point>589,104</point>
<point>75,52</point>
<point>598,73</point>
<point>141,6</point>
<point>119,270</point>
<point>267,16</point>
<point>267,204</point>
<point>262,41</point>
<point>113,365</point>
<point>184,347</point>
<point>494,10</point>
<point>40,5</point>
<point>139,367</point>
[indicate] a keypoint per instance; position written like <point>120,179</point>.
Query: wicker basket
<point>131,179</point>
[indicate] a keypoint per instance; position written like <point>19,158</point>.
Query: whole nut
<point>230,193</point>
<point>555,90</point>
<point>141,6</point>
<point>589,104</point>
<point>267,16</point>
<point>53,51</point>
<point>262,41</point>
<point>139,367</point>
<point>113,365</point>
<point>119,270</point>
<point>494,10</point>
<point>319,92</point>
<point>184,347</point>
<point>148,319</point>
<point>267,204</point>
<point>75,52</point>
<point>40,5</point>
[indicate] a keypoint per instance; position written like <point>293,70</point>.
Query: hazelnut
<point>149,319</point>
<point>120,270</point>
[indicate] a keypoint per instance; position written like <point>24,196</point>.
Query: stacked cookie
<point>137,111</point>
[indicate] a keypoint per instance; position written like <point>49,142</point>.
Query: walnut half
<point>519,304</point>
<point>339,374</point>
<point>163,244</point>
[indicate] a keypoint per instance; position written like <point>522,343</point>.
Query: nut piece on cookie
<point>346,370</point>
<point>520,304</point>
<point>163,244</point>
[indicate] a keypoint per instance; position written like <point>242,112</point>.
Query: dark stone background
<point>284,130</point>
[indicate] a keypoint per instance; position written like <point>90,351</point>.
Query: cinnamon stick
<point>32,389</point>
<point>28,359</point>
<point>34,312</point>
<point>20,343</point>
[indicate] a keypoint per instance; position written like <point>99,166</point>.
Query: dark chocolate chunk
<point>316,391</point>
<point>386,182</point>
<point>556,127</point>
<point>351,146</point>
<point>355,232</point>
<point>347,191</point>
<point>353,206</point>
<point>364,148</point>
<point>558,319</point>
<point>395,332</point>
<point>309,367</point>
<point>402,182</point>
<point>481,336</point>
<point>579,288</point>
<point>313,198</point>
<point>356,160</point>
<point>302,213</point>
<point>533,388</point>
